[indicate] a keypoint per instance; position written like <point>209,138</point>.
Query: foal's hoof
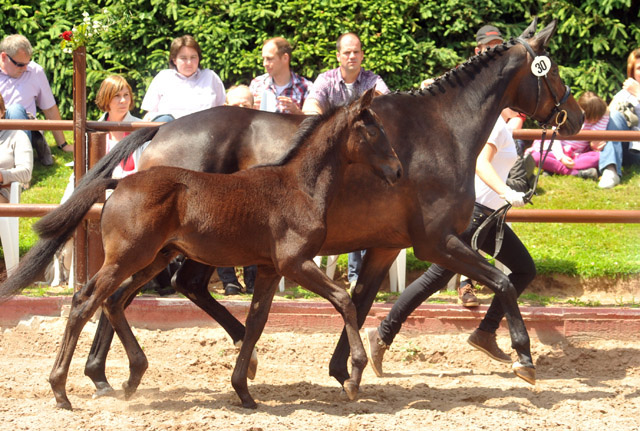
<point>65,405</point>
<point>528,374</point>
<point>351,389</point>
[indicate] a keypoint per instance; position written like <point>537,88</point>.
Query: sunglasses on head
<point>16,63</point>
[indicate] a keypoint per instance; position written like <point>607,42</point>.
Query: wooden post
<point>79,156</point>
<point>95,252</point>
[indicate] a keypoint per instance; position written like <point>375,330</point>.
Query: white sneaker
<point>609,179</point>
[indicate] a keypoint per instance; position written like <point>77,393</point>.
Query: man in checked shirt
<point>280,89</point>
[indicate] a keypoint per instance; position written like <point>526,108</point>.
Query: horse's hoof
<point>249,404</point>
<point>128,390</point>
<point>106,391</point>
<point>351,389</point>
<point>528,374</point>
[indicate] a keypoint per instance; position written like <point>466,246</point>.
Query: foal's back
<point>199,213</point>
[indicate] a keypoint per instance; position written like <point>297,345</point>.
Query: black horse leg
<point>375,266</point>
<point>96,361</point>
<point>192,280</point>
<point>460,258</point>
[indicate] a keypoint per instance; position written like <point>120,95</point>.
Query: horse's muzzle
<point>392,172</point>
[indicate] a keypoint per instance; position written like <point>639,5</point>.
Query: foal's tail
<point>54,229</point>
<point>58,226</point>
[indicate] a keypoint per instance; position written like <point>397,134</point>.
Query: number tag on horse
<point>541,65</point>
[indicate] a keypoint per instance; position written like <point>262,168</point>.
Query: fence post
<point>95,253</point>
<point>79,157</point>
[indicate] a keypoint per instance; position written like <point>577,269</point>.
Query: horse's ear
<point>541,40</point>
<point>530,30</point>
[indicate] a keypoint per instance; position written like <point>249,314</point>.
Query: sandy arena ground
<point>433,382</point>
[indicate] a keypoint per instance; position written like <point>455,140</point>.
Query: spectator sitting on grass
<point>624,111</point>
<point>578,158</point>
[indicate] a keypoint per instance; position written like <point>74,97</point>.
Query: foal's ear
<point>365,100</point>
<point>541,40</point>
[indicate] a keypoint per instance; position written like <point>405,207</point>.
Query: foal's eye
<point>372,131</point>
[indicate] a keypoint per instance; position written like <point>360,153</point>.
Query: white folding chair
<point>9,234</point>
<point>398,272</point>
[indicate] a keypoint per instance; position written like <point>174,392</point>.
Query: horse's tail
<point>55,229</point>
<point>125,148</point>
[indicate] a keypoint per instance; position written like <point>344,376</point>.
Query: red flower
<point>67,35</point>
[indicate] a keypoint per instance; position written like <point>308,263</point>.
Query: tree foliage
<point>404,41</point>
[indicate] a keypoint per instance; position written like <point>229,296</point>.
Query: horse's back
<point>223,139</point>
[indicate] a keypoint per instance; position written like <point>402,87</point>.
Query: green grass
<point>584,249</point>
<point>47,187</point>
<point>535,299</point>
<point>580,303</point>
<point>573,249</point>
<point>298,292</point>
<point>38,291</point>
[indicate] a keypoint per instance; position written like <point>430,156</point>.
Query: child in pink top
<point>578,158</point>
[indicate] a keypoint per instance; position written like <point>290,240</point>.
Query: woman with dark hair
<point>184,88</point>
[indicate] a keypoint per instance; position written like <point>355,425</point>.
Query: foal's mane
<point>304,132</point>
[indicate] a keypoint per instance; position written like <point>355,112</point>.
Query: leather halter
<point>561,115</point>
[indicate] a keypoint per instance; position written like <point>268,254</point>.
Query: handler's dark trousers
<point>513,255</point>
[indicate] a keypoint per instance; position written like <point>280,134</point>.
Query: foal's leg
<point>265,288</point>
<point>312,278</point>
<point>192,281</point>
<point>97,358</point>
<point>84,304</point>
<point>114,310</point>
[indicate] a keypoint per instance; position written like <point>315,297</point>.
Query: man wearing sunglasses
<point>25,88</point>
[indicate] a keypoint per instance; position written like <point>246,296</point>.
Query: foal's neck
<point>319,169</point>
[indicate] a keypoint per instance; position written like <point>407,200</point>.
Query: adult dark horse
<point>437,136</point>
<point>272,215</point>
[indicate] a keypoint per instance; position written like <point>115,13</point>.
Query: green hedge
<point>405,41</point>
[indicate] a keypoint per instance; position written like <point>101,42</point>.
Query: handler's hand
<point>515,198</point>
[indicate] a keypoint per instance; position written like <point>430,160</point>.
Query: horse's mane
<point>305,130</point>
<point>471,67</point>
